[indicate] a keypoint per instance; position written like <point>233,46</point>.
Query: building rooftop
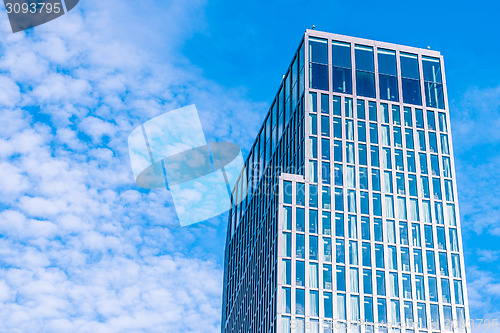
<point>370,42</point>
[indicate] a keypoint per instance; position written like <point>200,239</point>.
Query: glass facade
<point>349,222</point>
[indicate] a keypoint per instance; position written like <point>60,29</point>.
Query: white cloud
<point>488,255</point>
<point>96,128</point>
<point>484,293</point>
<point>9,94</point>
<point>22,63</point>
<point>475,121</point>
<point>57,88</point>
<point>479,193</point>
<point>12,181</point>
<point>14,224</point>
<point>479,108</point>
<point>82,249</point>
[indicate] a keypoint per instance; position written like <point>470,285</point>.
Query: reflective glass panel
<point>387,75</point>
<point>341,61</point>
<point>341,278</point>
<point>365,77</point>
<point>367,281</point>
<point>432,82</point>
<point>410,79</point>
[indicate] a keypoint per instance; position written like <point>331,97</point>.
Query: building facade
<point>349,221</point>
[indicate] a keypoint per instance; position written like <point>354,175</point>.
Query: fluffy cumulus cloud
<point>81,248</point>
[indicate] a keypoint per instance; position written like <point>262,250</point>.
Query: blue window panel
<point>340,278</point>
<point>387,69</point>
<point>318,50</point>
<point>364,58</point>
<point>410,79</point>
<point>342,81</point>
<point>388,86</point>
<point>341,54</point>
<point>434,96</point>
<point>411,91</point>
<point>409,66</point>
<point>318,76</point>
<point>365,84</point>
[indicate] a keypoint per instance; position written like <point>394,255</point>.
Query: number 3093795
<point>33,8</point>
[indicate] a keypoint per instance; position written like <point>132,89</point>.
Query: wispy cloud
<point>476,143</point>
<point>484,293</point>
<point>475,120</point>
<point>488,255</point>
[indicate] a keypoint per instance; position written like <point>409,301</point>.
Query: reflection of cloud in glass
<point>170,151</point>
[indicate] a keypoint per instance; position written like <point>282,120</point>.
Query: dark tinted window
<point>318,51</point>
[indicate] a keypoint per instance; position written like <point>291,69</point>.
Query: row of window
<point>333,150</point>
<point>419,140</point>
<point>413,140</point>
<point>433,236</point>
<point>382,255</point>
<point>412,323</point>
<point>385,114</point>
<point>400,179</point>
<point>386,283</point>
<point>426,162</point>
<point>411,184</point>
<point>366,69</point>
<point>387,310</point>
<point>327,150</point>
<point>371,203</point>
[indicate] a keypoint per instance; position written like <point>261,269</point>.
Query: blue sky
<point>82,249</point>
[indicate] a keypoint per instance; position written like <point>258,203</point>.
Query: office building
<point>349,221</point>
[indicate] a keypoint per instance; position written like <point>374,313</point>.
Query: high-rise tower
<point>350,217</point>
